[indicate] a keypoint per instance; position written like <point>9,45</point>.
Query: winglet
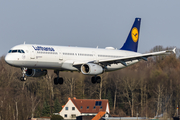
<point>174,51</point>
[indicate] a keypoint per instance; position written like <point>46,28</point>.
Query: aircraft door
<point>94,56</point>
<point>23,56</point>
<point>32,53</point>
<point>60,55</point>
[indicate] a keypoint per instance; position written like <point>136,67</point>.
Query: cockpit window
<point>16,51</point>
<point>22,51</point>
<point>10,51</point>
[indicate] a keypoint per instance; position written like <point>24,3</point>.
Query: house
<point>84,107</point>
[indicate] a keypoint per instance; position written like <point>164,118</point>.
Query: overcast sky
<point>88,23</point>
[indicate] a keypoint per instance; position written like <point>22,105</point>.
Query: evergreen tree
<point>38,112</point>
<point>57,106</point>
<point>57,117</point>
<point>46,109</point>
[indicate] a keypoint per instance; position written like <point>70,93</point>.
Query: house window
<point>81,107</point>
<point>73,108</point>
<point>98,103</point>
<point>87,107</point>
<point>66,108</point>
<point>101,107</point>
<point>73,115</point>
<point>65,115</point>
<point>94,107</point>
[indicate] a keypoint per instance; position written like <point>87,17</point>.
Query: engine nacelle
<point>35,72</point>
<point>91,69</point>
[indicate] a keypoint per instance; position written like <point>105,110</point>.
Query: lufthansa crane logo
<point>134,34</point>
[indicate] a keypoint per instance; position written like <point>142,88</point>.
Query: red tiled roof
<point>82,104</point>
<point>99,115</point>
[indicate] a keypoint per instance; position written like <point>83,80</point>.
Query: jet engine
<point>35,72</point>
<point>91,69</point>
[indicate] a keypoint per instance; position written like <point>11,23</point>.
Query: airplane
<point>34,60</point>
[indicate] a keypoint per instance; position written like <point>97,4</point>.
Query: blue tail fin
<point>131,43</point>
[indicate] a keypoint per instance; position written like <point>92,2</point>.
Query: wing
<point>123,60</point>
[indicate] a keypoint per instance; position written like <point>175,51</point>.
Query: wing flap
<point>81,62</point>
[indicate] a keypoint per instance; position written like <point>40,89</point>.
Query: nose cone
<point>9,59</point>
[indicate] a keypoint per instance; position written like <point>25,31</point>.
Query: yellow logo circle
<point>134,34</point>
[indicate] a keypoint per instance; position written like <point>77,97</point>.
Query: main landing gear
<point>58,80</point>
<point>96,79</point>
<point>23,78</point>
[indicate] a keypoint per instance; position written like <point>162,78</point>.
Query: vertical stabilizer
<point>131,43</point>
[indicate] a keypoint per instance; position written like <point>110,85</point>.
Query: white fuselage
<point>63,58</point>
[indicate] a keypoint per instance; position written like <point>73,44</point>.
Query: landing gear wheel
<point>93,80</point>
<point>60,81</point>
<point>98,79</point>
<point>55,81</point>
<point>23,78</point>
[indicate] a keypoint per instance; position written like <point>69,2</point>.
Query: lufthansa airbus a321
<point>34,60</point>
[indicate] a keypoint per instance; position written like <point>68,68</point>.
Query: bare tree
<point>34,102</point>
<point>130,84</point>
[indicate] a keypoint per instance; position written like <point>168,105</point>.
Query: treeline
<point>148,88</point>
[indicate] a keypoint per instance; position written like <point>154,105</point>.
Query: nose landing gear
<point>23,78</point>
